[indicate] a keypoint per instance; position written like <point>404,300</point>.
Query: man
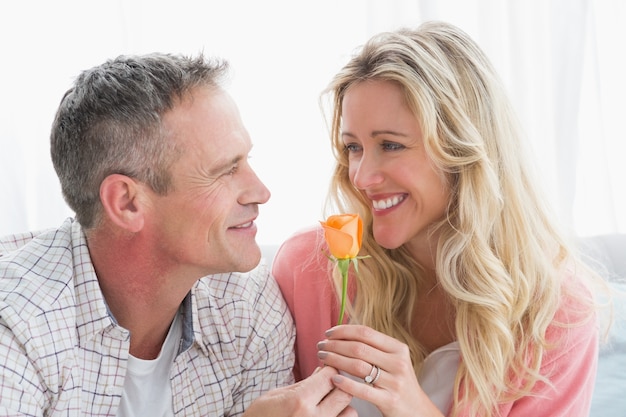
<point>148,303</point>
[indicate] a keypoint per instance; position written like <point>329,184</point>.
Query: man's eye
<point>232,170</point>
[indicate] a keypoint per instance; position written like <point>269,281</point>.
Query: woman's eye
<point>391,146</point>
<point>352,147</point>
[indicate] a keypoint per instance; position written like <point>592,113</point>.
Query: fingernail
<point>329,332</point>
<point>321,345</point>
<point>337,379</point>
<point>322,355</point>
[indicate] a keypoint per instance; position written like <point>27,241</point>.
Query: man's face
<point>207,221</point>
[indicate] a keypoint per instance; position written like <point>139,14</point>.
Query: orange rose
<point>343,233</point>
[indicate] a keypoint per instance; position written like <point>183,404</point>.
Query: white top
<point>436,379</point>
<point>147,389</point>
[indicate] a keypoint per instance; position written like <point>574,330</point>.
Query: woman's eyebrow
<point>375,133</point>
<point>388,132</point>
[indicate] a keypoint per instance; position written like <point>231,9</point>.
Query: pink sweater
<point>300,267</point>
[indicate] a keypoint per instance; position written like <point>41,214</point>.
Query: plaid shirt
<point>63,354</point>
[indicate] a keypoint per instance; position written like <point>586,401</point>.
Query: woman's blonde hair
<point>500,258</point>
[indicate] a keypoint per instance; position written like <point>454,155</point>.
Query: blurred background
<point>562,61</point>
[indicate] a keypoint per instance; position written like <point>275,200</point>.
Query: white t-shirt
<point>147,389</point>
<point>436,379</point>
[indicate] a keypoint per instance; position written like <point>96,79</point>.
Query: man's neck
<point>142,292</point>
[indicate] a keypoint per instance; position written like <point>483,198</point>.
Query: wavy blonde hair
<point>500,258</point>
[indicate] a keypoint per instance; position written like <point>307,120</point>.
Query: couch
<point>607,254</point>
<point>609,251</point>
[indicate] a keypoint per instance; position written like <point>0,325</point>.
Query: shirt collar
<point>93,314</point>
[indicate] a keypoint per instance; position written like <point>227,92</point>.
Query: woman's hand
<point>359,351</point>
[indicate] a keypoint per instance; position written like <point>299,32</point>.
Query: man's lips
<point>245,225</point>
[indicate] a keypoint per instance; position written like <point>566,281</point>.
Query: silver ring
<point>373,375</point>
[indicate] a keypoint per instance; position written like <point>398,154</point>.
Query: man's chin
<point>248,258</point>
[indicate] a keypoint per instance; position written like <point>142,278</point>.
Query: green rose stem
<point>344,265</point>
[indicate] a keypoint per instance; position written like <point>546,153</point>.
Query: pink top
<point>300,268</point>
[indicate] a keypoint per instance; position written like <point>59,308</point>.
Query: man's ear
<point>122,202</point>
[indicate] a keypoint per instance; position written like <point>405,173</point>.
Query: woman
<point>470,302</point>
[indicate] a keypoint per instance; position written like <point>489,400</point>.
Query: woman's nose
<point>365,172</point>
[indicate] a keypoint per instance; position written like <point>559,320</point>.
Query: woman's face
<point>389,165</point>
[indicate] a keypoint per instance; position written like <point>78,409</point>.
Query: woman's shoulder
<point>302,269</point>
<point>302,251</point>
<point>575,328</point>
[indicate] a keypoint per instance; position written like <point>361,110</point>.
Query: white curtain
<point>562,61</point>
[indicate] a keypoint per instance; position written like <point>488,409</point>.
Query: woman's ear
<point>121,200</point>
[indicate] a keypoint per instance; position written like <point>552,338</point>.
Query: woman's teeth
<point>387,203</point>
